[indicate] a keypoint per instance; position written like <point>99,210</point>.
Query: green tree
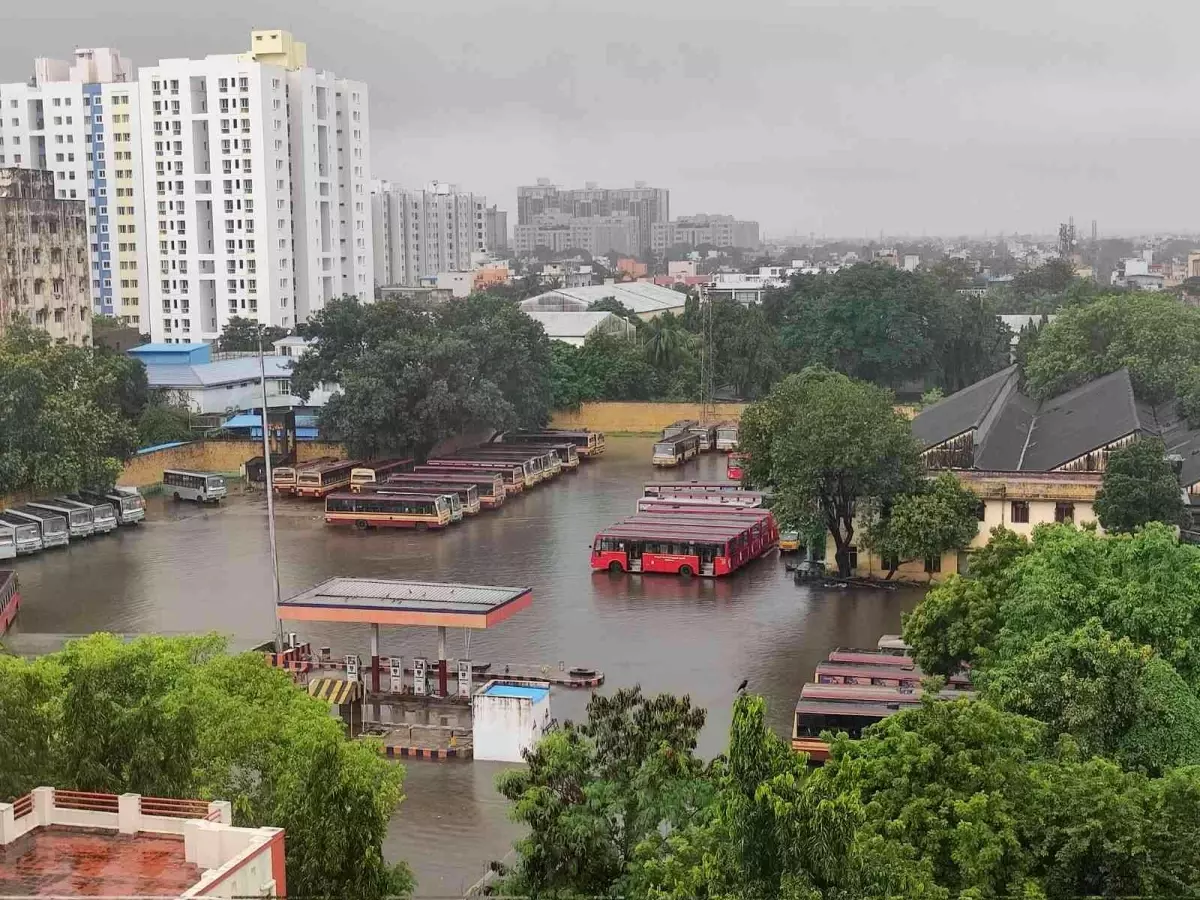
<point>834,450</point>
<point>1151,334</point>
<point>164,419</point>
<point>244,334</point>
<point>591,794</point>
<point>1139,486</point>
<point>926,524</point>
<point>63,413</point>
<point>178,717</point>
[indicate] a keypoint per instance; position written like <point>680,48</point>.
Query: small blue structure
<point>172,354</point>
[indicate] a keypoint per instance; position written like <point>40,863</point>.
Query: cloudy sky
<point>840,117</point>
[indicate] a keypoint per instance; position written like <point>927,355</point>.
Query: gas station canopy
<point>375,601</point>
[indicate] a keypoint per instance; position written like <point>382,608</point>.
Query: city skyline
<point>807,117</point>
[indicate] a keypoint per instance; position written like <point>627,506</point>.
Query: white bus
<point>104,517</point>
<point>128,504</point>
<point>78,516</point>
<point>53,525</point>
<point>199,486</point>
<point>27,535</point>
<point>8,541</point>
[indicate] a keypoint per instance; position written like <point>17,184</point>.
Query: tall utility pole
<point>708,409</point>
<point>266,436</point>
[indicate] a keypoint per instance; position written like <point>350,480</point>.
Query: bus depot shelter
<point>378,602</point>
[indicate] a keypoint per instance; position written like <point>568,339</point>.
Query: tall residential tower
<point>421,233</point>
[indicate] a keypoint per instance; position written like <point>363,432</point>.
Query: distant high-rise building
<point>647,205</point>
<point>256,188</point>
<point>496,229</point>
<point>705,230</point>
<point>79,119</point>
<point>419,234</point>
<point>43,256</point>
<point>596,235</point>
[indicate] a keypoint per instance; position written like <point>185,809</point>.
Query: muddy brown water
<point>191,568</point>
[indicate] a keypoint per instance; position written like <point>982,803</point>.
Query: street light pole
<point>262,371</point>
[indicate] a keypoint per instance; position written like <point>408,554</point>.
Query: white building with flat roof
<point>421,234</point>
<point>255,189</point>
<point>79,119</point>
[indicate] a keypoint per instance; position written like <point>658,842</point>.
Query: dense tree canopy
<point>1139,486</point>
<point>940,515</point>
<point>834,451</point>
<point>181,718</point>
<point>66,413</point>
<point>411,376</point>
<point>243,334</point>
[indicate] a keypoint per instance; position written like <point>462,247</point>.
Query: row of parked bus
<point>56,521</point>
<point>400,493</point>
<point>688,438</point>
<point>854,689</point>
<point>688,528</point>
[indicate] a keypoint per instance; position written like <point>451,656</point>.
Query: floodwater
<point>191,569</point>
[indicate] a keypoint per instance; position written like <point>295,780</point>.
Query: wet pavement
<point>192,568</point>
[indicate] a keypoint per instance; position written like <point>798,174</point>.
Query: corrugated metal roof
<point>576,324</point>
<point>222,371</point>
<point>639,296</point>
<point>414,596</point>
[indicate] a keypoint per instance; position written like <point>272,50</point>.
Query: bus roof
<point>399,487</point>
<point>841,668</point>
<point>406,495</point>
<point>667,531</point>
<point>468,462</point>
<point>844,708</point>
<point>26,509</point>
<point>872,657</point>
<point>384,463</point>
<point>192,472</point>
<point>871,692</point>
<point>684,485</point>
<point>322,468</point>
<point>474,476</point>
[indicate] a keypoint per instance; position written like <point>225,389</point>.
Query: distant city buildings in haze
<point>705,230</point>
<point>79,119</point>
<point>605,219</point>
<point>421,234</point>
<point>256,185</point>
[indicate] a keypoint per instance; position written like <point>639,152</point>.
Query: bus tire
<point>361,525</point>
<point>615,568</point>
<point>686,571</point>
<point>176,496</point>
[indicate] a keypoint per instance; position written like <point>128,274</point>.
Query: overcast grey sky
<point>844,118</point>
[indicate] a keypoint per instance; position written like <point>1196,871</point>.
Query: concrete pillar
<point>129,813</point>
<point>442,688</point>
<point>43,805</point>
<point>375,658</point>
<point>8,824</point>
<point>224,809</point>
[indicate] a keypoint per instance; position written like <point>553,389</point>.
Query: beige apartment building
<point>44,269</point>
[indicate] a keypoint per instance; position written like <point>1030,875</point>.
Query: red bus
<point>512,473</point>
<point>709,545</point>
<point>763,530</point>
<point>832,672</point>
<point>489,484</point>
<point>322,480</point>
<point>874,693</point>
<point>734,465</point>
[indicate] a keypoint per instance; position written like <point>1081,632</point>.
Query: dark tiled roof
<point>1081,420</point>
<point>1001,448</point>
<point>961,411</point>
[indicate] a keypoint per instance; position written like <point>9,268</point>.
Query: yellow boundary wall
<point>209,456</point>
<point>637,417</point>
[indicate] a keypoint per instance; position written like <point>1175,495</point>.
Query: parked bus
<point>129,506</point>
<point>377,471</point>
<point>104,517</point>
<point>489,487</point>
<point>834,672</point>
<point>283,478</point>
<point>202,487</point>
<point>587,443</point>
<point>372,510</point>
<point>457,507</point>
<point>27,535</point>
<point>676,450</point>
<point>539,465</point>
<point>893,643</point>
<point>467,492</point>
<point>666,488</point>
<point>763,531</point>
<point>512,474</point>
<point>738,499</point>
<point>727,436</point>
<point>78,516</point>
<point>8,541</point>
<point>735,466</point>
<point>812,717</point>
<point>707,432</point>
<point>676,427</point>
<point>320,481</point>
<point>699,545</point>
<point>53,526</point>
<point>568,453</point>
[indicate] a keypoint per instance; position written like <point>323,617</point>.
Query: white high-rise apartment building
<point>419,234</point>
<point>256,189</point>
<point>79,120</point>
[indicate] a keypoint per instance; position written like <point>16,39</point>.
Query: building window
<point>981,510</point>
<point>1020,512</point>
<point>1064,512</point>
<point>933,564</point>
<point>853,555</point>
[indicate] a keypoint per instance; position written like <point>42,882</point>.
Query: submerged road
<point>191,569</point>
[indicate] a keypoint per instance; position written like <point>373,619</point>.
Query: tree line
<point>1074,772</point>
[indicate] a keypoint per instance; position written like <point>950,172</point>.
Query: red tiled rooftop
<point>81,862</point>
